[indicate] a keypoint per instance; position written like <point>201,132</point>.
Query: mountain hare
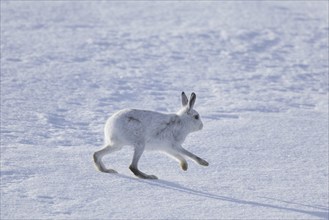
<point>148,130</point>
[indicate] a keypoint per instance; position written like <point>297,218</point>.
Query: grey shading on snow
<point>260,72</point>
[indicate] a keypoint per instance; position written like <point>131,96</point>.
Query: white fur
<point>149,130</point>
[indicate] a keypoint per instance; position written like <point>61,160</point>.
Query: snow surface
<point>260,72</point>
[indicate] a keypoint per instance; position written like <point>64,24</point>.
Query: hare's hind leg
<point>139,149</point>
<point>98,155</point>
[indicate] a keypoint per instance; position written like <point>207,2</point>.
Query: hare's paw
<point>140,174</point>
<point>105,170</point>
<point>184,166</point>
<point>202,162</point>
<point>152,177</point>
<point>145,176</point>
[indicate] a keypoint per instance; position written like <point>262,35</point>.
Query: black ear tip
<point>183,93</point>
<point>193,94</point>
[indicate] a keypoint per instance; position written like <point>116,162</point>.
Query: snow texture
<point>260,72</point>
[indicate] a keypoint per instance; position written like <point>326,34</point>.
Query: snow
<point>260,72</point>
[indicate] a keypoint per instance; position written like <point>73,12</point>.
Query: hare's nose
<point>201,126</point>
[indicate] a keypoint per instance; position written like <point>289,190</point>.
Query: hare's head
<point>189,115</point>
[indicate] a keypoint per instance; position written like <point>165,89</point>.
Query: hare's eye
<point>196,117</point>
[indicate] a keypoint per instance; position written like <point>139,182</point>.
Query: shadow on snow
<point>324,213</point>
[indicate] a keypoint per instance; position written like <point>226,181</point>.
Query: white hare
<point>148,130</point>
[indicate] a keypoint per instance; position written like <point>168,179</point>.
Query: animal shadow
<point>322,213</point>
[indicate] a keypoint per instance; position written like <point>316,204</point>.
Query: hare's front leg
<point>192,156</point>
<point>175,154</point>
<point>139,149</point>
<point>182,162</point>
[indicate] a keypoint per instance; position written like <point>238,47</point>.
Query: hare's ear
<point>184,99</point>
<point>192,100</point>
